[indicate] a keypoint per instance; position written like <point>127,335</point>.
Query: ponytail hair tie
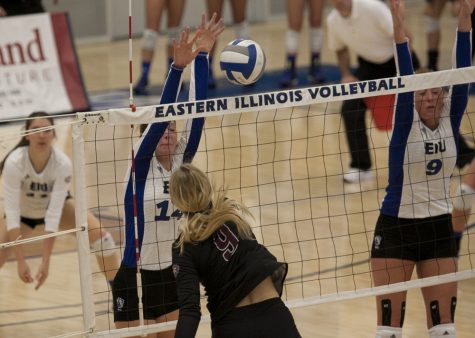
<point>202,211</point>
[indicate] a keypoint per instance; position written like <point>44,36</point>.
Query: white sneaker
<point>355,175</point>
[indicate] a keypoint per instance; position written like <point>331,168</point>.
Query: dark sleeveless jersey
<point>228,267</point>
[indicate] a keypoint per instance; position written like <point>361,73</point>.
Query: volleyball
<point>243,61</point>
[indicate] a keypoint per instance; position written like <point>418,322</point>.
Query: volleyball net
<point>283,154</point>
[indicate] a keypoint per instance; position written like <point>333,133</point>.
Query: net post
<point>81,222</point>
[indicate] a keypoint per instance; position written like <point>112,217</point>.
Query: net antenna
<point>131,88</point>
<point>133,107</point>
<point>281,153</point>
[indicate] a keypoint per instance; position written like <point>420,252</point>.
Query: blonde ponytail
<point>204,209</point>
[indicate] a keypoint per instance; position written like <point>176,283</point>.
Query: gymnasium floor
<point>56,308</point>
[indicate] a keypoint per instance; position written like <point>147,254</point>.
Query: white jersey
<point>368,31</point>
<point>153,212</point>
<point>421,160</point>
<point>159,215</point>
<point>32,194</point>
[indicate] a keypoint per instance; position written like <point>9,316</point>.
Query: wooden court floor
<point>55,309</point>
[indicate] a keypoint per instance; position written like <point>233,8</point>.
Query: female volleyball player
<point>36,178</point>
<point>414,228</point>
<point>242,279</point>
<point>153,13</point>
<point>295,13</point>
<point>158,154</point>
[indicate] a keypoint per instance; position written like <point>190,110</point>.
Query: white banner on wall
<point>38,67</point>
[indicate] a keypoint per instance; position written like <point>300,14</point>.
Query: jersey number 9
<point>433,167</point>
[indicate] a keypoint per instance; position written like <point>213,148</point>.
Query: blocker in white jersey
<point>158,154</point>
<point>147,203</point>
<point>415,224</point>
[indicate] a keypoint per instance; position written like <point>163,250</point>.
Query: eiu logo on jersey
<point>226,242</point>
<point>435,147</point>
<point>35,186</point>
<point>434,166</point>
<point>166,187</point>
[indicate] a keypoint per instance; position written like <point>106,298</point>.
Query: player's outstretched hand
<point>467,6</point>
<point>24,272</point>
<point>206,35</point>
<point>465,21</point>
<point>42,274</point>
<point>183,52</point>
<point>397,11</point>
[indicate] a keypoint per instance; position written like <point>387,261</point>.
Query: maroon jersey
<point>229,268</point>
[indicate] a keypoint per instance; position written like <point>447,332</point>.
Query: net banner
<point>379,96</point>
<point>39,69</point>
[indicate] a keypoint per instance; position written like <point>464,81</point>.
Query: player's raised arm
<point>397,12</point>
<point>464,19</point>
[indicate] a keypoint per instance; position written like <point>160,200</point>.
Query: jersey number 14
<point>163,210</point>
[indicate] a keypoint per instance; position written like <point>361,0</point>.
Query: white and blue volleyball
<point>243,61</point>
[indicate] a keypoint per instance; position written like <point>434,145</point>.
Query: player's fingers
<point>182,36</point>
<point>214,27</point>
<point>187,33</point>
<point>26,277</point>
<point>203,20</point>
<point>40,280</point>
<point>198,50</point>
<point>192,42</point>
<point>39,284</point>
<point>23,278</point>
<point>212,20</point>
<point>218,28</point>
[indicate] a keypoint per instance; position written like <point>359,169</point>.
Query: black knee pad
<point>434,312</point>
<point>453,305</point>
<point>403,313</point>
<point>386,312</point>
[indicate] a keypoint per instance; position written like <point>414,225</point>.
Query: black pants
<point>415,240</point>
<point>353,112</point>
<point>267,319</point>
<point>159,294</point>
